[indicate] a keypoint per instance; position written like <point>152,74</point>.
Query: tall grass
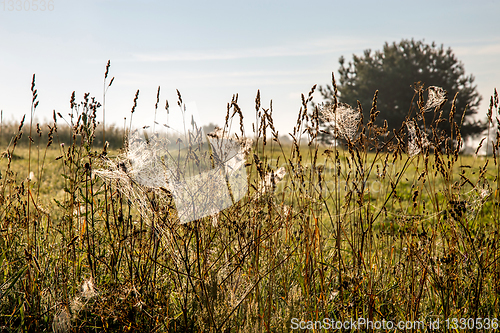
<point>383,226</point>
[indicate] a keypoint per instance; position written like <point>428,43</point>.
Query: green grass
<point>361,230</point>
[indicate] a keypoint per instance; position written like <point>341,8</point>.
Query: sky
<point>210,50</point>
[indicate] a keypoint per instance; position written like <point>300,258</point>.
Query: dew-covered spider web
<point>436,97</point>
<point>203,174</point>
<point>344,118</point>
<point>417,140</point>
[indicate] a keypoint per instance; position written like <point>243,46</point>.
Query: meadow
<point>383,226</point>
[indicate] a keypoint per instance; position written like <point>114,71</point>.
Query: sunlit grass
<point>357,230</point>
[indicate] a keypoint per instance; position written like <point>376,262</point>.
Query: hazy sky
<point>210,50</point>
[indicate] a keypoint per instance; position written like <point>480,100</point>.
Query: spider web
<point>436,97</point>
<point>202,177</point>
<point>344,118</point>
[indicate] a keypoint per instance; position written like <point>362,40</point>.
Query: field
<point>383,227</point>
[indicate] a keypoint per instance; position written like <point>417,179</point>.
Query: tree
<point>395,72</point>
